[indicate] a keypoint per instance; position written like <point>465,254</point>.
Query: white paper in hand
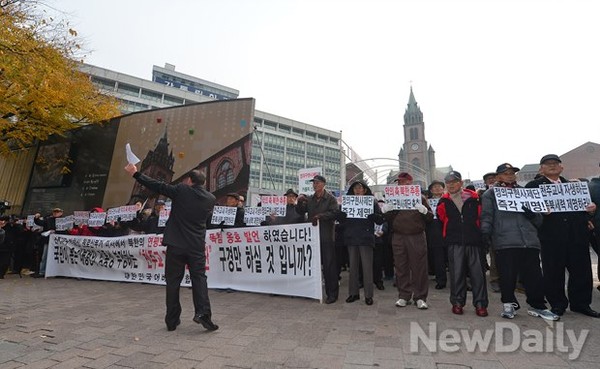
<point>131,158</point>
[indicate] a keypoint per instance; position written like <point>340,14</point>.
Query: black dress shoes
<point>379,285</point>
<point>352,298</point>
<point>330,300</point>
<point>369,301</point>
<point>173,327</point>
<point>440,286</point>
<point>204,319</point>
<point>586,311</point>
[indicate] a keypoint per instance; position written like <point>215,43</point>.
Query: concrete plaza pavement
<point>70,323</point>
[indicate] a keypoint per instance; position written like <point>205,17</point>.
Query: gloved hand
<point>387,207</point>
<point>421,208</point>
<point>528,213</point>
<point>375,218</point>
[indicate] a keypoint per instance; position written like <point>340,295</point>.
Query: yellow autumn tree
<point>42,91</point>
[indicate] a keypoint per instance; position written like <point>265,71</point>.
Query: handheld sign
<point>563,197</point>
<point>225,214</point>
<point>358,206</point>
<point>403,197</point>
<point>513,199</point>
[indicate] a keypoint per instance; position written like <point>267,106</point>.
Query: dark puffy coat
<point>460,228</point>
<point>508,229</point>
<point>595,195</point>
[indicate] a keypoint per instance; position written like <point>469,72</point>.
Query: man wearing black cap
<point>184,237</point>
<point>565,246</point>
<point>517,248</point>
<point>459,210</point>
<point>322,209</point>
<point>291,215</point>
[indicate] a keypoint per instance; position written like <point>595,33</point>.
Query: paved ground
<point>69,323</point>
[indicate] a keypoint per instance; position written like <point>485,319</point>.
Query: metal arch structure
<point>418,173</point>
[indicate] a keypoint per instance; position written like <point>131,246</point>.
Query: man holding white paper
<point>185,240</point>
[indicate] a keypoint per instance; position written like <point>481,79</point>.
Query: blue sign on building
<point>193,89</point>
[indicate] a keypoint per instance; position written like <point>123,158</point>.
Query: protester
<point>517,248</point>
<point>151,225</point>
<point>359,238</point>
<point>379,252</point>
<point>49,226</point>
<point>322,209</point>
<point>436,250</point>
<point>184,238</point>
<point>291,215</point>
<point>459,211</point>
<point>564,237</point>
<point>233,200</point>
<point>409,245</point>
<point>488,180</point>
<point>595,221</point>
<point>5,250</point>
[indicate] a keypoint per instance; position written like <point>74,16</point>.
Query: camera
<point>4,205</point>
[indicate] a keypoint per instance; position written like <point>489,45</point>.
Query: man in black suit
<point>184,237</point>
<point>565,246</point>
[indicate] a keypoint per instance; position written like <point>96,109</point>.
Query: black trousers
<point>330,268</point>
<point>388,259</point>
<point>175,264</point>
<point>522,263</point>
<point>575,258</point>
<point>439,256</point>
<point>4,262</point>
<point>378,263</point>
<point>460,260</point>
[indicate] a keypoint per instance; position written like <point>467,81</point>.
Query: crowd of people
<point>449,241</point>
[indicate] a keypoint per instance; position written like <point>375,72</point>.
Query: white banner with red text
<point>280,259</point>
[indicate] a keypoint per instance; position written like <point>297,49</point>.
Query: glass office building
<point>281,146</point>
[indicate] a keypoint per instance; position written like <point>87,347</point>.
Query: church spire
<point>413,114</point>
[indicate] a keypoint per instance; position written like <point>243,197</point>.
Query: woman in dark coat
<point>359,238</point>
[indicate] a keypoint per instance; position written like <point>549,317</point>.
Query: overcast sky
<point>497,81</point>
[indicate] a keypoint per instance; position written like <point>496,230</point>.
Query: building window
<point>128,89</point>
<point>416,163</point>
<point>414,134</point>
<point>224,174</point>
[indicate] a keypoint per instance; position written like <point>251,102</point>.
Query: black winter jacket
<point>186,227</point>
<point>460,228</point>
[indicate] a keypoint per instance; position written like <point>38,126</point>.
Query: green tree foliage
<point>42,91</point>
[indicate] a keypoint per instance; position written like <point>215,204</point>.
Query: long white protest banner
<point>281,259</point>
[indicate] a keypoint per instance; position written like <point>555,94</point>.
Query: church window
<point>224,174</point>
<point>414,133</point>
<point>416,163</point>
